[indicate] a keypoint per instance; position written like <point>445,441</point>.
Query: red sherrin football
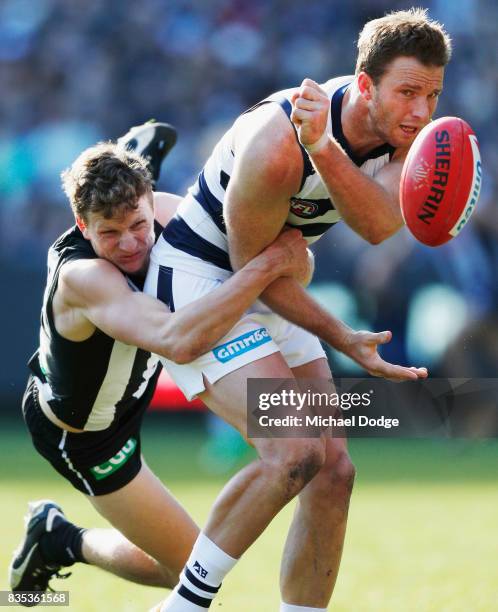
<point>441,180</point>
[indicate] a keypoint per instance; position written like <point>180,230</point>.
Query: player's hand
<point>361,346</point>
<point>310,113</point>
<point>288,254</point>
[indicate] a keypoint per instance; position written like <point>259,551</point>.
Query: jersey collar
<point>336,112</point>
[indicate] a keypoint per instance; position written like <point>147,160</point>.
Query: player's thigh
<point>147,514</point>
<point>319,371</point>
<point>318,368</point>
<point>227,398</point>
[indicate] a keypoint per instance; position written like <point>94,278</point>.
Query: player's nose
<point>127,242</point>
<point>420,110</point>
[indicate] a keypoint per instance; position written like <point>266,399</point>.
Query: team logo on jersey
<point>114,463</point>
<point>242,344</point>
<point>306,209</point>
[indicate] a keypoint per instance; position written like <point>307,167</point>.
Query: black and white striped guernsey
<point>196,237</point>
<point>88,385</point>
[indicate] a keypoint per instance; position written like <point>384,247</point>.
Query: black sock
<point>63,545</point>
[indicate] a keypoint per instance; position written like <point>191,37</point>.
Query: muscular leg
<point>258,492</point>
<point>314,545</point>
<point>153,534</point>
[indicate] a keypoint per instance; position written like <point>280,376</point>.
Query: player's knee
<point>335,481</point>
<point>300,465</point>
<point>343,473</point>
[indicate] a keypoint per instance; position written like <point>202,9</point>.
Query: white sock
<point>291,608</point>
<point>200,579</point>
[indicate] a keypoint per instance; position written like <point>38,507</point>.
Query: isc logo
<point>242,344</point>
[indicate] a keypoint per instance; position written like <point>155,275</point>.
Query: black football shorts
<point>94,462</point>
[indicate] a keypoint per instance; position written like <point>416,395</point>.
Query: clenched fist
<point>310,115</point>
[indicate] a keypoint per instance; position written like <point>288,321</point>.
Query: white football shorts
<point>258,334</point>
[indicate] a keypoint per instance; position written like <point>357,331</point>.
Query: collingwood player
<point>89,384</point>
<point>343,161</point>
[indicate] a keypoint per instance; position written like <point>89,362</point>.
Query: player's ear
<point>365,85</point>
<point>82,227</point>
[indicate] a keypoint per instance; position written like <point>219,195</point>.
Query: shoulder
<point>332,85</point>
<point>265,142</point>
<point>72,245</point>
<point>165,205</point>
<point>84,281</point>
<point>263,127</point>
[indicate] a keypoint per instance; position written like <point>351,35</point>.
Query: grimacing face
<point>404,100</point>
<point>125,240</point>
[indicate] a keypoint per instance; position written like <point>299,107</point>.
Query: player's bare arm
<point>370,206</point>
<point>165,205</point>
<point>268,167</point>
<point>267,172</point>
<point>95,294</point>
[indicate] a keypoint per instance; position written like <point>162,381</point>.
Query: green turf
<point>422,534</point>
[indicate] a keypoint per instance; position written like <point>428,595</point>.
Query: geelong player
<point>344,161</point>
<point>90,385</point>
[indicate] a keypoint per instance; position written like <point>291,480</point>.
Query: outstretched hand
<point>361,346</point>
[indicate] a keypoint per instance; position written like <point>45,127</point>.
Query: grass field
<point>422,535</point>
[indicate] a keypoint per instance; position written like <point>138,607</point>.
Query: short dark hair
<point>401,33</point>
<point>106,179</point>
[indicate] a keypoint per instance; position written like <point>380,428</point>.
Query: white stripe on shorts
<point>71,466</point>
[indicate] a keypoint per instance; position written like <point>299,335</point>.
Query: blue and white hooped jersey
<point>195,239</point>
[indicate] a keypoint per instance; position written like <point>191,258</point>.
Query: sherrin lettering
<point>441,181</point>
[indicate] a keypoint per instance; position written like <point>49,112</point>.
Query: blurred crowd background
<point>73,73</point>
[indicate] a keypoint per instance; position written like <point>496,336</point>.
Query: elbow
<point>382,231</point>
<point>381,228</point>
<point>181,355</point>
<point>176,347</point>
<point>183,347</point>
<point>185,350</point>
<point>376,236</point>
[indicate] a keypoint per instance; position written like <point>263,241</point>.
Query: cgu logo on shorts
<point>242,344</point>
<point>114,463</point>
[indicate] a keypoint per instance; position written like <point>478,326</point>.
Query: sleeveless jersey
<point>90,384</point>
<point>196,236</point>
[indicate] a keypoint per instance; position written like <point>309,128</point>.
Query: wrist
<point>318,145</point>
<point>340,337</point>
<point>344,341</point>
<point>264,267</point>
